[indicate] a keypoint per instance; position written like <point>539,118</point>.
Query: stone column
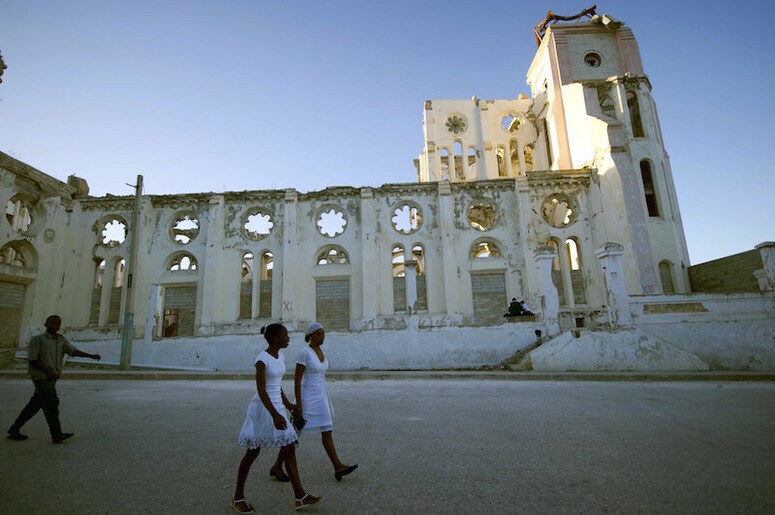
<point>550,300</point>
<point>766,276</point>
<point>431,152</point>
<point>287,313</point>
<point>483,140</point>
<point>369,253</point>
<point>208,293</point>
<point>410,271</point>
<point>446,217</point>
<point>618,302</point>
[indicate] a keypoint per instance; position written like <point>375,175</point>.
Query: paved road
<point>424,446</point>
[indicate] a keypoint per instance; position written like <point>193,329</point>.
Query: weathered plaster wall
<point>443,348</point>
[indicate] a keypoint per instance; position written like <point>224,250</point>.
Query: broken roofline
<point>535,177</point>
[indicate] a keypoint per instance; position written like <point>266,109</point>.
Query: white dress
<point>258,429</point>
<point>316,408</point>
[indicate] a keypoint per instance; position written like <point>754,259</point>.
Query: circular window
<point>406,218</point>
<point>456,124</point>
<point>559,211</point>
<point>483,215</point>
<point>18,214</point>
<point>510,123</point>
<point>257,224</point>
<point>593,59</point>
<point>331,221</point>
<point>112,231</point>
<point>184,228</point>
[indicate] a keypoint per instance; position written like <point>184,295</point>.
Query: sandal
<point>248,507</point>
<point>281,477</point>
<point>307,500</point>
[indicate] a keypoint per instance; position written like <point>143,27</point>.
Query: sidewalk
<point>365,375</point>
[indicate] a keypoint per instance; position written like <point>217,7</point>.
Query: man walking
<point>45,353</point>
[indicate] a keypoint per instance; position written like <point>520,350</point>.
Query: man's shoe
<point>16,435</point>
<point>61,437</point>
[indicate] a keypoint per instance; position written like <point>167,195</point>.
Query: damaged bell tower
<point>588,77</point>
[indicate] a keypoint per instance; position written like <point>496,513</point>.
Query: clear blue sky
<point>242,95</point>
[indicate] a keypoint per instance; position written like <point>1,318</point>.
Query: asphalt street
<point>423,446</point>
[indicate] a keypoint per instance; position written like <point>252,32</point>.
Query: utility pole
<point>128,333</point>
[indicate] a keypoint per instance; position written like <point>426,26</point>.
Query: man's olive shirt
<point>49,350</point>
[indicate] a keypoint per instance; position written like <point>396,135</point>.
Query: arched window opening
<point>635,118</point>
<point>608,107</point>
<point>99,273</point>
<point>444,156</point>
<point>576,273</point>
<point>11,255</point>
<point>96,294</point>
<point>484,249</point>
<point>472,170</point>
<point>399,279</point>
<point>573,253</point>
<point>114,307</point>
<point>267,265</point>
<point>649,190</point>
<point>528,151</point>
<point>118,274</point>
<point>332,256</point>
<point>547,142</point>
<point>556,260</point>
<point>666,276</point>
<point>246,286</point>
<point>399,268</point>
<point>183,262</point>
<point>418,255</point>
<point>558,275</point>
<point>514,155</point>
<point>247,268</point>
<point>500,155</point>
<point>458,149</point>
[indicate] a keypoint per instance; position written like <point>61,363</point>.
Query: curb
<point>371,375</point>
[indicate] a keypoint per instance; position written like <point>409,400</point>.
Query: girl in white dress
<point>266,423</point>
<point>312,399</point>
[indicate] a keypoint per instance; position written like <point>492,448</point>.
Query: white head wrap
<point>314,326</point>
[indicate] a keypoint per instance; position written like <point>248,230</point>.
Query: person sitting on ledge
<point>515,308</point>
<point>525,310</point>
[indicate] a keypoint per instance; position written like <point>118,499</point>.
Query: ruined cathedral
<point>564,200</point>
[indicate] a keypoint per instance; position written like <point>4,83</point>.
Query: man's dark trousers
<point>45,398</point>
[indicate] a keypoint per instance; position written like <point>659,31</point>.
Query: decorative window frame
<point>254,210</point>
<point>400,204</point>
<point>325,208</point>
<point>177,215</point>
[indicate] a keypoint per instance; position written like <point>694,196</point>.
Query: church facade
<point>565,200</point>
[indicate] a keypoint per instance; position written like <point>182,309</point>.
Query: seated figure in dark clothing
<point>515,308</point>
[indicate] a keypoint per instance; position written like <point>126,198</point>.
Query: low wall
<point>729,332</point>
<point>427,349</point>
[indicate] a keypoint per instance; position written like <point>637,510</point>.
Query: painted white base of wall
<point>433,349</point>
<point>726,345</point>
<point>623,350</point>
